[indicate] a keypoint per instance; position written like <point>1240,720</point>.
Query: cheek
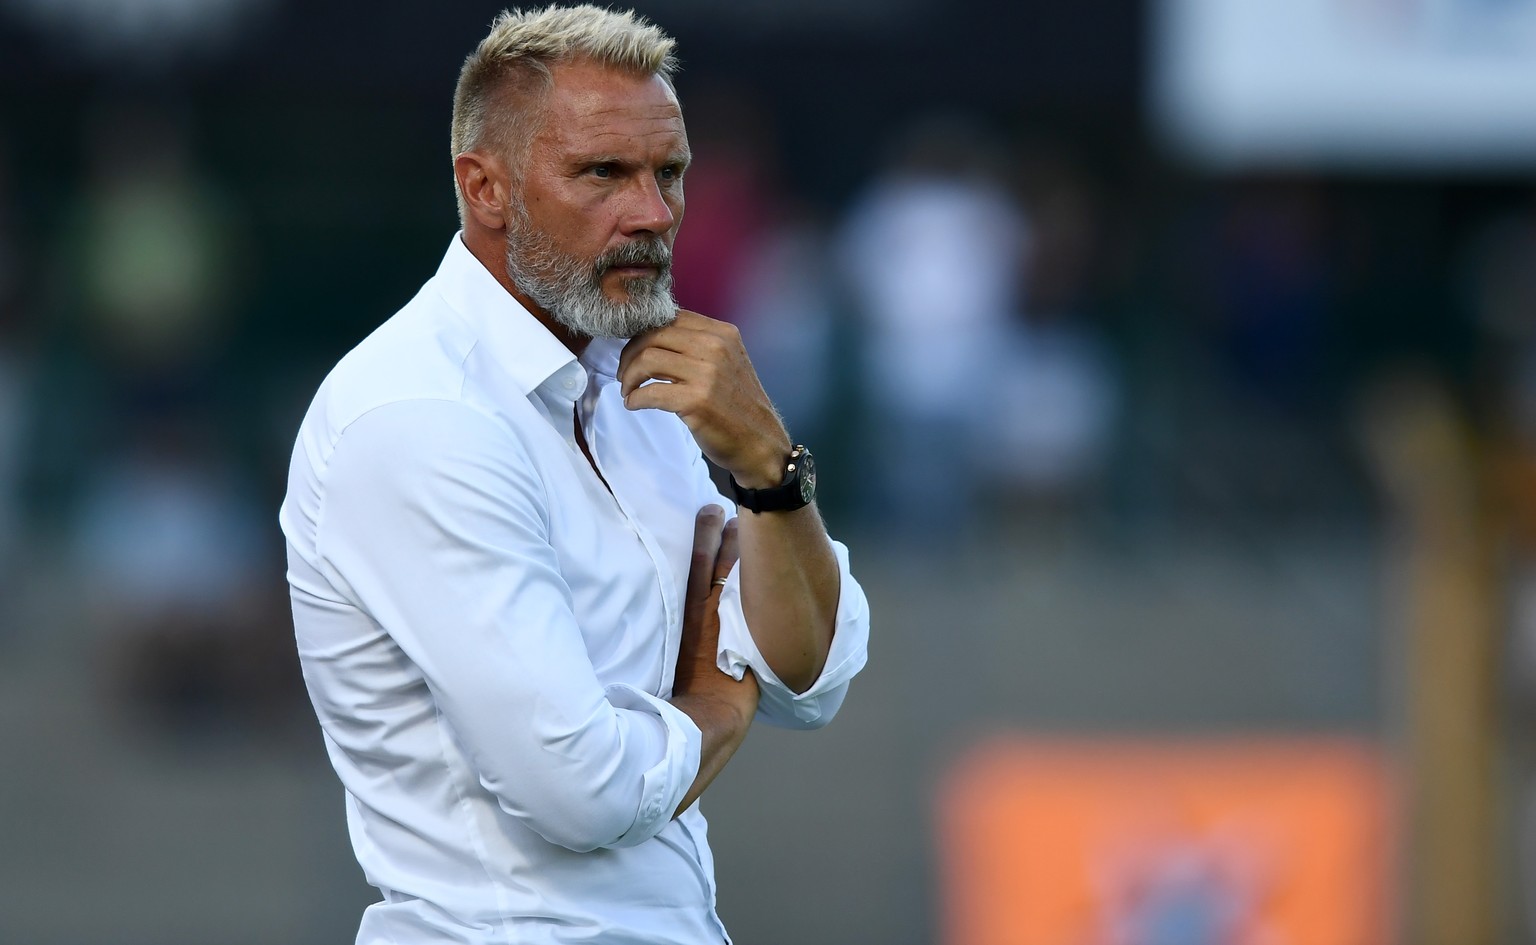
<point>676,205</point>
<point>568,229</point>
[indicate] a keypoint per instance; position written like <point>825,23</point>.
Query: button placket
<point>671,606</point>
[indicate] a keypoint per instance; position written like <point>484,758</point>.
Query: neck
<point>490,248</point>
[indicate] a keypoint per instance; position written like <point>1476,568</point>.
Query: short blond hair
<point>502,87</point>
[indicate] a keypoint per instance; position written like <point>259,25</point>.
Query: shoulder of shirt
<point>419,353</point>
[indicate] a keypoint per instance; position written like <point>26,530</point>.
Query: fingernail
<point>711,510</point>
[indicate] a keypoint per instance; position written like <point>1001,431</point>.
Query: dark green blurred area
<point>323,132</point>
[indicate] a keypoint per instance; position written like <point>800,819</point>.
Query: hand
<point>713,389</point>
<point>714,553</point>
<point>720,706</point>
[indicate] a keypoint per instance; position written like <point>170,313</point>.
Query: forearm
<point>789,591</point>
<point>723,723</point>
<point>789,574</point>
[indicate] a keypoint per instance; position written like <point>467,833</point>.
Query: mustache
<point>650,251</point>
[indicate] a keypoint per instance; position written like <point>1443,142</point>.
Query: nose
<point>648,210</point>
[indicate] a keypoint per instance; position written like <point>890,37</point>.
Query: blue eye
<point>602,170</point>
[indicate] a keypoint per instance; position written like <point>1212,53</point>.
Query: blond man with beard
<point>532,632</point>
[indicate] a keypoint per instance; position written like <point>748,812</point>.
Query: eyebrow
<point>683,157</point>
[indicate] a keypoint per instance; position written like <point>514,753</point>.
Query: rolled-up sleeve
<point>442,535</point>
<point>779,705</point>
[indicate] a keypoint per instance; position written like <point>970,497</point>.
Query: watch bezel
<point>795,491</point>
<point>806,474</point>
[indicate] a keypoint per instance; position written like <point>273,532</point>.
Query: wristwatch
<point>796,491</point>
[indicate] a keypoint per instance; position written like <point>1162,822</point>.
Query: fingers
<point>681,399</point>
<point>707,539</point>
<point>705,372</point>
<point>716,550</point>
<point>704,377</point>
<point>652,364</point>
<point>728,555</point>
<point>691,333</point>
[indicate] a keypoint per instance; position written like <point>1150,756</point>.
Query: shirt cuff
<point>778,704</point>
<point>678,742</point>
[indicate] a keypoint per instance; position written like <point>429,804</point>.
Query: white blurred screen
<point>1414,83</point>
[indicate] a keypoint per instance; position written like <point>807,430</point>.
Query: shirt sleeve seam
<point>325,471</point>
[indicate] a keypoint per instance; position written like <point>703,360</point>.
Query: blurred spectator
<point>754,257</point>
<point>143,276</point>
<point>730,205</point>
<point>788,320</point>
<point>156,249</point>
<point>169,544</point>
<point>1258,395</point>
<point>175,550</point>
<point>1272,289</point>
<point>1055,399</point>
<point>932,253</point>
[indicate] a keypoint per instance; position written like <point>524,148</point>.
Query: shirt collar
<point>516,341</point>
<point>602,356</point>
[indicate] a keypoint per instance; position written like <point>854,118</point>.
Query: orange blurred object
<point>1127,842</point>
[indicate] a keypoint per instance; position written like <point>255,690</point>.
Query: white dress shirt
<point>489,634</point>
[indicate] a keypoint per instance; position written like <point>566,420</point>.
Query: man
<point>518,604</point>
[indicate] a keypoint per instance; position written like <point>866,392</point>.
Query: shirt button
<point>569,383</point>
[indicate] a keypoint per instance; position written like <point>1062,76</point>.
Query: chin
<point>623,292</point>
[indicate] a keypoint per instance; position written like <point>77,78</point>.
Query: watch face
<point>807,477</point>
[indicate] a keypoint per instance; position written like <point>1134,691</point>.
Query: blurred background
<point>1171,365</point>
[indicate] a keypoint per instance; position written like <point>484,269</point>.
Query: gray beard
<point>570,290</point>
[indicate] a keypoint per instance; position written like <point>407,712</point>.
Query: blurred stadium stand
<point>1254,460</point>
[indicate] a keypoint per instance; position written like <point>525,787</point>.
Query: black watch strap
<point>797,490</point>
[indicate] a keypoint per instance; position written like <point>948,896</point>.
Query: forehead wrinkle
<point>629,129</point>
<point>661,110</point>
<point>617,122</point>
<point>610,115</point>
<point>632,135</point>
<point>617,142</point>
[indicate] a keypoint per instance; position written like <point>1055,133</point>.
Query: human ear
<point>483,184</point>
